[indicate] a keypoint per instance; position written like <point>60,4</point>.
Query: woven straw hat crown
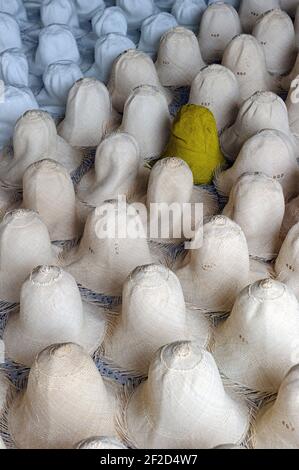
<point>109,20</point>
<point>153,29</point>
<point>251,10</point>
<point>136,11</point>
<point>14,68</point>
<point>59,11</point>
<point>104,443</point>
<point>59,78</point>
<point>188,13</point>
<point>10,33</point>
<point>286,265</point>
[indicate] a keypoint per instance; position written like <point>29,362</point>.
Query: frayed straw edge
<point>120,416</point>
<point>4,428</point>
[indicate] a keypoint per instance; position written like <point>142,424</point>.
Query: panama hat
<point>287,260</point>
<point>255,346</point>
<point>275,32</point>
<point>130,70</point>
<point>188,13</point>
<point>51,311</point>
<point>251,10</point>
<point>88,114</point>
<point>152,30</point>
<point>153,314</point>
<point>146,117</point>
<point>263,110</point>
<point>35,138</point>
<point>245,57</point>
<point>291,216</point>
<point>270,152</point>
<point>214,274</point>
<point>276,423</point>
<point>256,203</point>
<point>24,244</point>
<point>289,6</point>
<point>220,23</point>
<point>14,69</point>
<point>48,189</point>
<point>183,404</point>
<point>61,12</point>
<point>216,88</point>
<point>179,58</point>
<point>9,32</point>
<point>66,401</point>
<point>103,443</point>
<point>86,10</point>
<point>136,11</point>
<point>109,20</point>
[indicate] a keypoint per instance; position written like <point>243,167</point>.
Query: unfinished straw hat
<point>296,26</point>
<point>132,69</point>
<point>113,244</point>
<point>188,13</point>
<point>86,10</point>
<point>276,425</point>
<point>291,216</point>
<point>256,204</point>
<point>136,12</point>
<point>4,387</point>
<point>214,274</point>
<point>289,6</point>
<point>275,32</point>
<point>292,104</point>
<point>146,117</point>
<point>88,114</point>
<point>243,352</point>
<point>183,404</point>
<point>287,260</point>
<point>109,20</point>
<point>35,138</point>
<point>219,25</point>
<point>103,443</point>
<point>263,110</point>
<point>216,88</point>
<point>9,32</point>
<point>48,189</point>
<point>179,58</point>
<point>51,311</point>
<point>245,57</point>
<point>164,5</point>
<point>24,244</point>
<point>61,12</point>
<point>14,69</point>
<point>66,401</point>
<point>270,152</point>
<point>153,314</point>
<point>251,10</point>
<point>152,30</point>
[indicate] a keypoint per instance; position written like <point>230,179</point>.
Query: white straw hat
<point>86,10</point>
<point>88,114</point>
<point>130,70</point>
<point>104,258</point>
<point>275,32</point>
<point>276,425</point>
<point>66,401</point>
<point>146,117</point>
<point>270,152</point>
<point>61,12</point>
<point>183,404</point>
<point>254,347</point>
<point>214,274</point>
<point>153,314</point>
<point>24,244</point>
<point>293,106</point>
<point>48,189</point>
<point>245,57</point>
<point>219,25</point>
<point>14,69</point>
<point>110,20</point>
<point>256,203</point>
<point>35,138</point>
<point>263,110</point>
<point>179,58</point>
<point>216,88</point>
<point>103,443</point>
<point>188,13</point>
<point>289,6</point>
<point>153,29</point>
<point>251,10</point>
<point>136,11</point>
<point>9,33</point>
<point>291,216</point>
<point>51,311</point>
<point>287,260</point>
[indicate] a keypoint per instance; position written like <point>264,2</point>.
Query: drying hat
<point>110,20</point>
<point>286,264</point>
<point>289,6</point>
<point>86,10</point>
<point>136,11</point>
<point>164,5</point>
<point>219,25</point>
<point>66,401</point>
<point>14,69</point>
<point>103,443</point>
<point>216,88</point>
<point>251,10</point>
<point>9,33</point>
<point>179,58</point>
<point>153,314</point>
<point>183,404</point>
<point>292,107</point>
<point>255,346</point>
<point>291,216</point>
<point>153,29</point>
<point>15,8</point>
<point>61,12</point>
<point>188,13</point>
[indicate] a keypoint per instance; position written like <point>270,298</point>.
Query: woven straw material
<point>152,30</point>
<point>4,387</point>
<point>109,20</point>
<point>188,13</point>
<point>136,12</point>
<point>291,216</point>
<point>286,81</point>
<point>103,443</point>
<point>61,12</point>
<point>289,6</point>
<point>10,32</point>
<point>14,69</point>
<point>292,106</point>
<point>251,10</point>
<point>2,446</point>
<point>287,260</point>
<point>86,10</point>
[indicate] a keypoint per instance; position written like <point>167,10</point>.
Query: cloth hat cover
<point>51,311</point>
<point>58,79</point>
<point>216,88</point>
<point>276,425</point>
<point>291,216</point>
<point>213,275</point>
<point>289,6</point>
<point>245,57</point>
<point>219,25</point>
<point>136,11</point>
<point>88,113</point>
<point>86,10</point>
<point>66,401</point>
<point>251,10</point>
<point>153,29</point>
<point>194,139</point>
<point>101,263</point>
<point>256,204</point>
<point>9,33</point>
<point>263,110</point>
<point>286,264</point>
<point>61,12</point>
<point>48,189</point>
<point>110,20</point>
<point>179,58</point>
<point>104,443</point>
<point>146,117</point>
<point>153,314</point>
<point>270,152</point>
<point>243,352</point>
<point>188,13</point>
<point>130,70</point>
<point>183,404</point>
<point>14,69</point>
<point>275,32</point>
<point>24,244</point>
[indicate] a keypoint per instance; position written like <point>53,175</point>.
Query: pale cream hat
<point>285,82</point>
<point>103,443</point>
<point>251,10</point>
<point>292,107</point>
<point>286,264</point>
